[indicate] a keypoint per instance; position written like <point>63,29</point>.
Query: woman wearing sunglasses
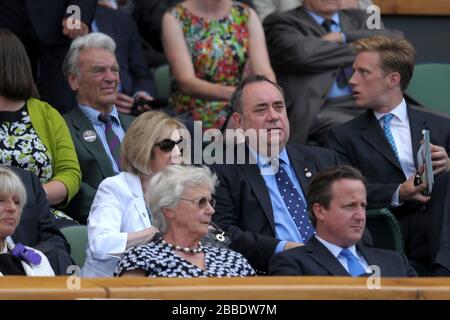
<point>181,202</point>
<point>119,218</point>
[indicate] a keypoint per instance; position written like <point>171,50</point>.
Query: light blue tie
<point>354,267</point>
<point>387,132</point>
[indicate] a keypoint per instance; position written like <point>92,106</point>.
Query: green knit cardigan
<point>54,133</point>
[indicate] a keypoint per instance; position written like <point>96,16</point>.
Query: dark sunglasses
<point>167,145</point>
<point>202,202</point>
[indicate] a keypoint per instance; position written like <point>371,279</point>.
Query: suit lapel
<point>301,167</point>
<point>372,133</point>
<point>103,22</point>
<point>253,176</point>
<point>81,124</point>
<point>303,15</point>
<point>416,125</point>
<point>321,255</point>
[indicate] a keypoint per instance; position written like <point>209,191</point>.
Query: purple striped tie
<point>111,138</point>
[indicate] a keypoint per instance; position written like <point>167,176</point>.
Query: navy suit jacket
<point>134,72</point>
<point>37,226</point>
<point>243,205</point>
<point>361,143</point>
<point>314,259</point>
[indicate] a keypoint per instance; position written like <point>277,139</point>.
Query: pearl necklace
<point>199,248</point>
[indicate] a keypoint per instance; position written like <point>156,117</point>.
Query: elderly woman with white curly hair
<point>182,205</point>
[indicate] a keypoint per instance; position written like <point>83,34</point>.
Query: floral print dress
<point>219,52</point>
<point>21,147</point>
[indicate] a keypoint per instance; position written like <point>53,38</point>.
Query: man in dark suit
<point>337,204</point>
<point>46,34</point>
<point>250,205</point>
<point>93,73</point>
<point>310,53</point>
<point>384,141</point>
<point>135,77</point>
<point>37,226</point>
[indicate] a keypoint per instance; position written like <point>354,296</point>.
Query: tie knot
<point>387,118</point>
<point>327,25</point>
<point>346,253</point>
<point>105,118</point>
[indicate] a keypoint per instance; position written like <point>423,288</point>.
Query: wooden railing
<point>272,288</point>
<point>414,7</point>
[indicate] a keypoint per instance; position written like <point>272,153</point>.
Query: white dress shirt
<point>401,132</point>
<point>336,252</point>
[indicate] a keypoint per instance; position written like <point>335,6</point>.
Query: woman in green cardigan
<point>33,135</point>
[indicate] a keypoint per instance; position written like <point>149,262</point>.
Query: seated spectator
<point>181,202</point>
<point>251,203</point>
<point>135,77</point>
<point>266,7</point>
<point>384,142</point>
<point>210,45</point>
<point>337,207</point>
<point>37,227</point>
<point>46,32</point>
<point>119,218</point>
<point>93,73</point>
<point>33,135</point>
<point>310,50</point>
<point>16,259</point>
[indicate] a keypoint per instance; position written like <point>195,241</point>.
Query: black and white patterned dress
<point>158,260</point>
<point>20,146</point>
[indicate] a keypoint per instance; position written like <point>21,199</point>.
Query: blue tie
<point>294,203</point>
<point>387,132</point>
<point>354,267</point>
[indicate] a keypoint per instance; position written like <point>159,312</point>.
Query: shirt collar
<point>264,161</point>
<point>92,114</point>
<point>334,249</point>
<point>400,112</point>
<point>320,19</point>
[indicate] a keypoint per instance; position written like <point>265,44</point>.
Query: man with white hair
<point>96,126</point>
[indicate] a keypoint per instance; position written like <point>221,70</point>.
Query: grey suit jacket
<point>94,162</point>
<point>307,66</point>
<point>314,259</point>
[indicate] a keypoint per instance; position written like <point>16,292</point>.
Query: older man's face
<point>322,7</point>
<point>264,109</point>
<point>98,81</point>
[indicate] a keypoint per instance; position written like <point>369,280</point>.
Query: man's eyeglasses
<point>167,145</point>
<point>202,202</point>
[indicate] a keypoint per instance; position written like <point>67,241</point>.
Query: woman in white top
<point>16,259</point>
<point>119,218</point>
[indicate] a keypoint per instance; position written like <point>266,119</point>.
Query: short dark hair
<point>319,190</point>
<point>396,55</point>
<point>236,98</point>
<point>16,78</point>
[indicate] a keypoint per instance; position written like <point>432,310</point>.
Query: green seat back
<point>385,230</point>
<point>162,81</point>
<point>77,238</point>
<point>430,86</point>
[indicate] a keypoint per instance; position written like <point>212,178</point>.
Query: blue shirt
<point>335,91</point>
<point>285,228</point>
<point>99,128</point>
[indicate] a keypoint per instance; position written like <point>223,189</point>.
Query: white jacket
<point>43,269</point>
<point>118,208</point>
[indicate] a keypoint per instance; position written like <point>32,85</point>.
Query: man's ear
<point>74,82</point>
<point>237,120</point>
<point>394,79</point>
<point>318,211</point>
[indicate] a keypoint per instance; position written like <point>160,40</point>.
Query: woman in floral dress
<point>211,45</point>
<point>33,135</point>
